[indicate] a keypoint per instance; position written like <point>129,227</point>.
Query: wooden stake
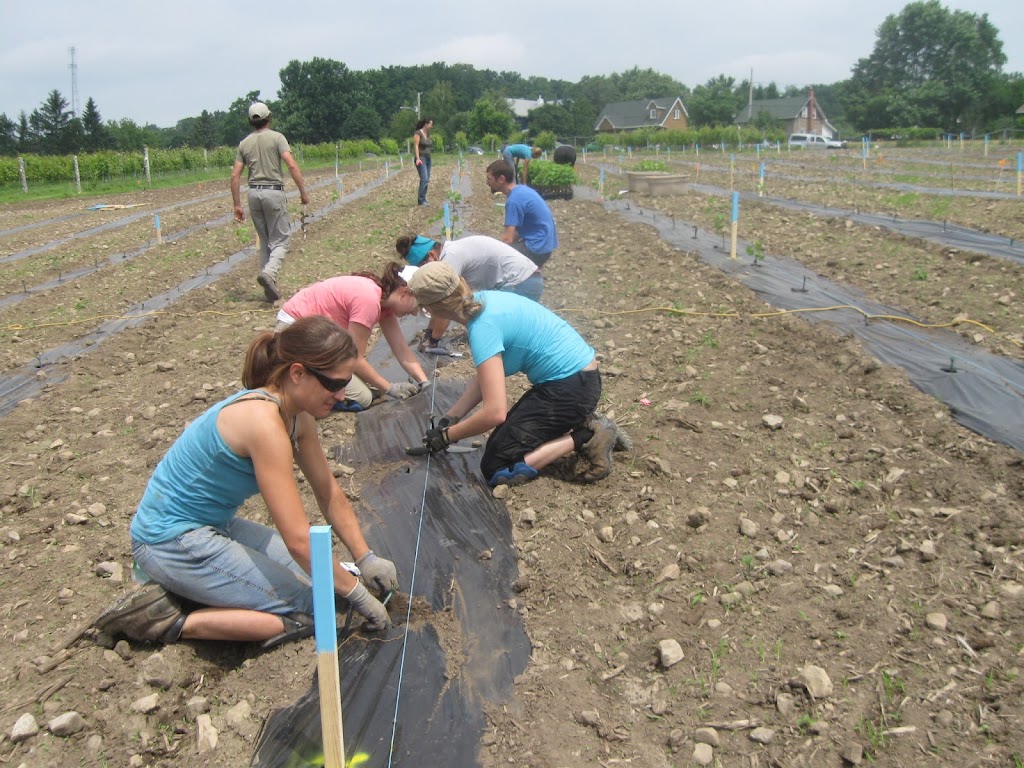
<point>329,674</point>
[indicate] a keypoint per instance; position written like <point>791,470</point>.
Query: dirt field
<point>840,585</point>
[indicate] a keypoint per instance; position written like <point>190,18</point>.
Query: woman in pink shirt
<point>357,303</point>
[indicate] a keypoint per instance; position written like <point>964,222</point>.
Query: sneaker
<point>349,406</point>
<point>296,627</point>
<point>517,475</point>
<point>623,442</point>
<point>149,614</point>
<point>269,285</point>
<point>598,451</point>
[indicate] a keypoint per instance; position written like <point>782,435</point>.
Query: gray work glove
<point>378,572</point>
<point>421,385</point>
<point>447,421</point>
<point>369,607</point>
<point>400,390</point>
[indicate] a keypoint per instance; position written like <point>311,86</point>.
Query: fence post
<point>78,176</point>
<point>21,174</point>
<point>145,164</point>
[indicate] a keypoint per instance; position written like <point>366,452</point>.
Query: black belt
<point>278,187</point>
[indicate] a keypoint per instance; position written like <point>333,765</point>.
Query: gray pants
<point>269,211</point>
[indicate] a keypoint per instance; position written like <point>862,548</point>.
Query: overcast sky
<point>158,64</point>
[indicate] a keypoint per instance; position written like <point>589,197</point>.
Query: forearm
<point>236,191</point>
<point>369,375</point>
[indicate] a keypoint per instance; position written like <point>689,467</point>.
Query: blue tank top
<point>199,482</point>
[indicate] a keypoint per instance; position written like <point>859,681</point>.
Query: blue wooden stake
<point>327,646</point>
<point>159,239</point>
<point>735,222</point>
<point>447,221</point>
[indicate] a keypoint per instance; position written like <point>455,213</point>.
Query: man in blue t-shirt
<point>529,225</point>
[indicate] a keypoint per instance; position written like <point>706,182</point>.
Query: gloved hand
<point>436,439</point>
<point>378,572</point>
<point>446,421</point>
<point>421,385</point>
<point>369,607</point>
<point>401,390</point>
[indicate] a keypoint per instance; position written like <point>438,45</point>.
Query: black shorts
<point>546,412</point>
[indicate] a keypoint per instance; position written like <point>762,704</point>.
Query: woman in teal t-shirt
<point>249,581</point>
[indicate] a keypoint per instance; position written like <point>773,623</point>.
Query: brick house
<point>669,113</point>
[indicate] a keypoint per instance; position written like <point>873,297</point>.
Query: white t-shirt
<point>486,263</point>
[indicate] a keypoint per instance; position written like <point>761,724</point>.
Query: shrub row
<point>100,166</point>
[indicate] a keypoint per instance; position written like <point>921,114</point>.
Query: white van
<point>813,140</point>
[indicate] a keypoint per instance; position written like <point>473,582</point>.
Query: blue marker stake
<point>760,190</point>
<point>326,645</point>
<point>1020,171</point>
<point>447,222</point>
<point>735,222</point>
<point>600,182</point>
<point>159,239</point>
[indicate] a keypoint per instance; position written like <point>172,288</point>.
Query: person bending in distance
<point>486,264</point>
<point>357,303</point>
<point>245,581</point>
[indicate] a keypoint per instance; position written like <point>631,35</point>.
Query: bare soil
<point>867,534</point>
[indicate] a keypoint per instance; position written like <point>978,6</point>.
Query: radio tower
<point>73,66</point>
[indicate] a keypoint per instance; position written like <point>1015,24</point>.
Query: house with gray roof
<point>669,113</point>
<point>794,114</point>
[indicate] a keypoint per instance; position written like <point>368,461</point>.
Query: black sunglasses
<point>331,385</point>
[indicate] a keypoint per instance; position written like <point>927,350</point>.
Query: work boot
<point>598,451</point>
<point>269,284</point>
<point>623,442</point>
<point>150,614</point>
<point>296,627</point>
<point>515,475</point>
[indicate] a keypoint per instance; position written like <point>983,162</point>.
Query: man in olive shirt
<point>262,152</point>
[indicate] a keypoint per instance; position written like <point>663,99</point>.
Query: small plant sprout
<point>920,274</point>
<point>893,685</point>
<point>756,250</point>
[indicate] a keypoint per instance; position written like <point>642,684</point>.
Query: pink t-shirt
<point>347,299</point>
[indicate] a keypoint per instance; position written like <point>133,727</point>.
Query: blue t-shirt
<point>530,338</point>
<point>199,482</point>
<point>529,214</point>
<point>522,151</point>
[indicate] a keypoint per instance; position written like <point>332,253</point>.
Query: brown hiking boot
<point>296,627</point>
<point>269,285</point>
<point>623,442</point>
<point>598,451</point>
<point>149,614</point>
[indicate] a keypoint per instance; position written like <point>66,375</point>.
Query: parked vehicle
<point>813,140</point>
<point>474,151</point>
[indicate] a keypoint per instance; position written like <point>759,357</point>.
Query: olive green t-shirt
<point>261,153</point>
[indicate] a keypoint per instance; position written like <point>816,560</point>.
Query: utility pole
<point>73,66</point>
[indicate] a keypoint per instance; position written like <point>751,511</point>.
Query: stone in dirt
<point>65,725</point>
<point>816,681</point>
<point>206,734</point>
<point>706,736</point>
<point>762,735</point>
<point>669,652</point>
<point>703,754</point>
<point>25,728</point>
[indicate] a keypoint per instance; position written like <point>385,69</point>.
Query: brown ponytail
<point>315,341</point>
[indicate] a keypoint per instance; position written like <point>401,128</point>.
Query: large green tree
<point>490,114</point>
<point>314,100</point>
<point>716,102</point>
<point>8,135</point>
<point>362,123</point>
<point>931,66</point>
<point>56,129</point>
<point>94,132</point>
<point>554,118</point>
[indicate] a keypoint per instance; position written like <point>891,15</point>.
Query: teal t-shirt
<point>199,482</point>
<point>530,338</point>
<point>522,151</point>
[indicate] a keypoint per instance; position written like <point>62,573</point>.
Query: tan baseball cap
<point>433,282</point>
<point>258,111</point>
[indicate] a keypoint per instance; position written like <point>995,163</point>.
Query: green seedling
<point>699,398</point>
<point>242,233</point>
<point>892,685</point>
<point>920,274</point>
<point>756,250</point>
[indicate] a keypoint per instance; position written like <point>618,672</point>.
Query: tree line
<point>931,68</point>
